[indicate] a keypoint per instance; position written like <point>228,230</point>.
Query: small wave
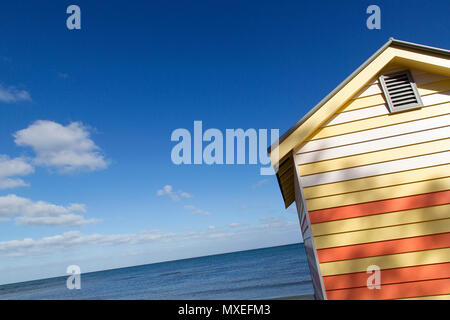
<point>128,278</point>
<point>259,286</point>
<point>170,273</point>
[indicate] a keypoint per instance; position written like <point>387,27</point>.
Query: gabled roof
<point>406,53</point>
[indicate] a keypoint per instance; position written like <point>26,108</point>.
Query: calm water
<point>254,274</point>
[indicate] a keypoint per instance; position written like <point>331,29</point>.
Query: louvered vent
<point>400,91</point>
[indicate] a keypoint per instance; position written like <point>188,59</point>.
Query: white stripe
<point>435,98</point>
<point>377,133</point>
<point>374,88</point>
<point>375,145</point>
<point>381,109</point>
<point>358,114</point>
<point>376,169</point>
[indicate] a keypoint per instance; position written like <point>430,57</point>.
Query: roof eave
<point>351,76</point>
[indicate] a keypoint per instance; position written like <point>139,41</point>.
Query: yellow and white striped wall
<point>373,188</point>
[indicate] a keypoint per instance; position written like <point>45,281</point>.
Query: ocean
<point>268,273</point>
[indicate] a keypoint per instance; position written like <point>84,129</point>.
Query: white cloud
<point>275,222</point>
<point>167,190</point>
<point>9,168</point>
<point>61,220</point>
<point>63,75</point>
<point>67,148</point>
<point>196,211</point>
<point>76,239</point>
<point>28,212</point>
<point>8,183</point>
<point>12,95</point>
<point>14,167</point>
<point>260,183</point>
<point>185,195</point>
<point>236,225</point>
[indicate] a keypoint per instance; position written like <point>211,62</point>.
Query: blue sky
<point>86,117</point>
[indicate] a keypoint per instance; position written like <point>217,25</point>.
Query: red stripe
<point>381,206</point>
<point>389,276</point>
<point>394,291</point>
<point>434,241</point>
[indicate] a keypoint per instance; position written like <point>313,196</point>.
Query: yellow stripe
<point>439,297</point>
<point>379,194</point>
<point>424,89</point>
<point>382,220</point>
<point>382,234</point>
<point>375,157</point>
<point>382,121</point>
<point>399,260</point>
<point>377,181</point>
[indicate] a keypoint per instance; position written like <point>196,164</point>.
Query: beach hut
<point>369,171</point>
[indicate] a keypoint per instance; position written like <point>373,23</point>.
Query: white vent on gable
<point>400,91</point>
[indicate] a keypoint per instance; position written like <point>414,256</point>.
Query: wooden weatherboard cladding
<point>400,91</point>
<point>371,182</point>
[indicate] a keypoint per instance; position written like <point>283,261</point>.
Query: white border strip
<point>308,234</point>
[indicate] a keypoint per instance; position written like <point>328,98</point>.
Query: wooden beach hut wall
<point>369,171</point>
